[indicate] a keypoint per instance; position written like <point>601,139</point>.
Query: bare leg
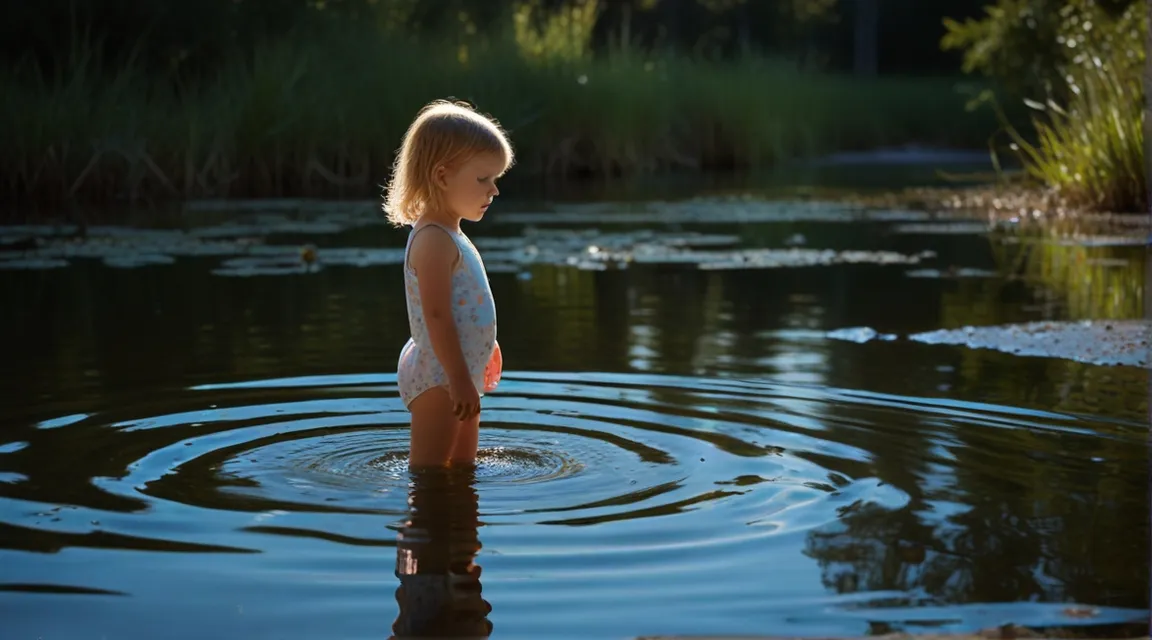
<point>467,441</point>
<point>434,429</point>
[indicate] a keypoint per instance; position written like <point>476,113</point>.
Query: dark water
<point>672,450</point>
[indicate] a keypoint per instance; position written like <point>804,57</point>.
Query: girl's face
<point>471,186</point>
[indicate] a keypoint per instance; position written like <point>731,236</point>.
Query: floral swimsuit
<point>474,312</point>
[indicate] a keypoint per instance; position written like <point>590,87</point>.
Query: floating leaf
<point>1103,342</point>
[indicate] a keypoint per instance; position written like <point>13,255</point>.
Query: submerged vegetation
<point>320,112</point>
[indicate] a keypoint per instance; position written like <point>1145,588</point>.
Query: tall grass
<point>1091,149</point>
<point>322,116</point>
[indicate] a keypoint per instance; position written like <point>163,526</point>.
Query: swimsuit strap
<point>451,232</point>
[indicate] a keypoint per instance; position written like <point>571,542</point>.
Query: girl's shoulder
<point>430,243</point>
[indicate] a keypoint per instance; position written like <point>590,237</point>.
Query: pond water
<point>202,436</point>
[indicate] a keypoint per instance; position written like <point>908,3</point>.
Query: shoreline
<point>1019,205</point>
<point>975,193</point>
<point>997,205</point>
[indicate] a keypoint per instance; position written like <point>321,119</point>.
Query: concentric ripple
<point>660,483</point>
<point>293,465</point>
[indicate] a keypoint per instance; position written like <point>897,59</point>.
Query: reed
<point>321,116</point>
<point>1090,149</point>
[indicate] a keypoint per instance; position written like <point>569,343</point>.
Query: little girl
<point>445,172</point>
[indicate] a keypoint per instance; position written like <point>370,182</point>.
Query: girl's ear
<point>440,177</point>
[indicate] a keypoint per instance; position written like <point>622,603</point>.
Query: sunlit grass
<point>322,116</point>
<point>1091,148</point>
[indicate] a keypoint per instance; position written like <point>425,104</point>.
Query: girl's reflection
<point>439,593</point>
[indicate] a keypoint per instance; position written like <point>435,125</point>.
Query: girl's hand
<point>465,398</point>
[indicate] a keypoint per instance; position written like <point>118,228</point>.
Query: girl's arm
<point>434,256</point>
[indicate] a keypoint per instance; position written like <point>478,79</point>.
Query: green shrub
<point>1091,148</point>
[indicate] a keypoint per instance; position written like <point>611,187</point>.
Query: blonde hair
<point>443,134</point>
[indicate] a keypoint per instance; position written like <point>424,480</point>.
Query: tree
<point>1028,45</point>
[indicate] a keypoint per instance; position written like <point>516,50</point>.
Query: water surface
<point>186,453</point>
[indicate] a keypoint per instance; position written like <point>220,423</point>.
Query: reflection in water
<point>1098,281</point>
<point>440,594</point>
<point>991,529</point>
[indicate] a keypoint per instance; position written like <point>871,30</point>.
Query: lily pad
<point>608,252</point>
<point>942,229</point>
<point>960,272</point>
<point>126,248</point>
<point>759,258</point>
<point>134,260</point>
<point>360,257</point>
<point>123,246</point>
<point>137,234</point>
<point>35,230</point>
<point>859,335</point>
<point>711,211</point>
<point>242,240</point>
<point>1102,342</point>
<point>770,259</point>
<point>588,249</point>
<point>577,240</point>
<point>33,264</point>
